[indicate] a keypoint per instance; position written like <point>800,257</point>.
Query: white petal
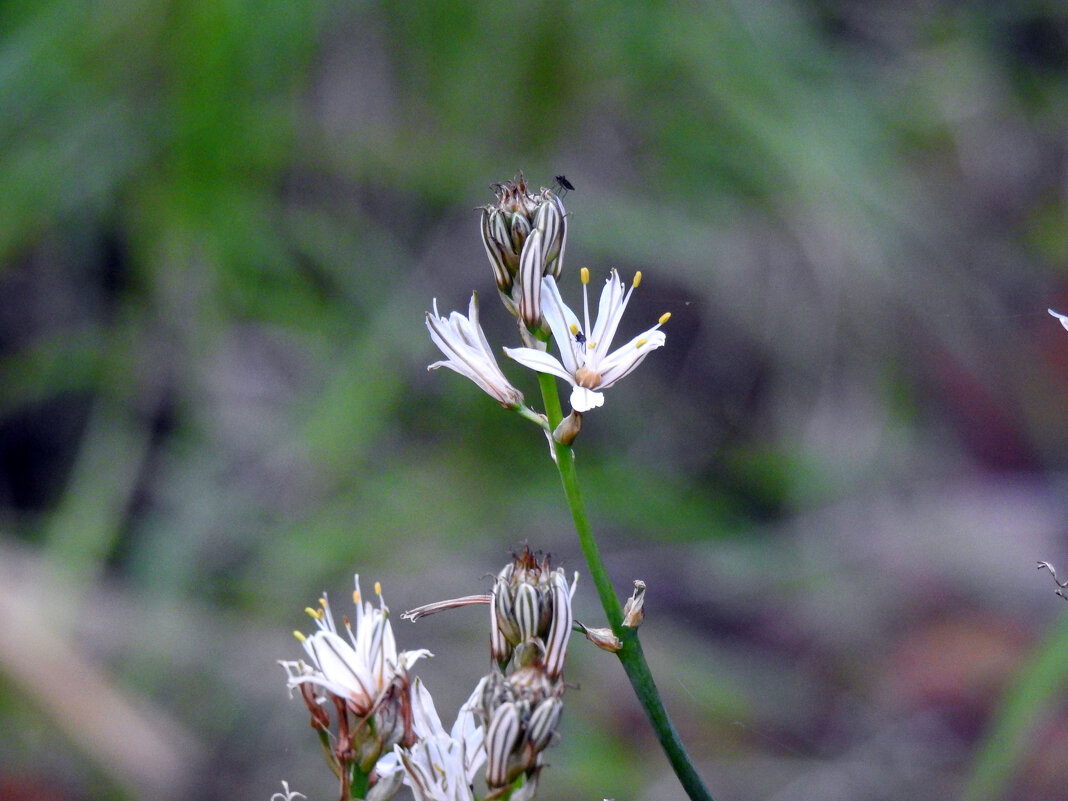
<point>622,361</point>
<point>609,312</point>
<point>1062,317</point>
<point>542,362</point>
<point>582,399</point>
<point>561,319</point>
<point>340,665</point>
<point>425,718</point>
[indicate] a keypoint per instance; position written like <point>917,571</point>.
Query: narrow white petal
<point>425,718</point>
<point>540,361</point>
<point>340,665</point>
<point>1062,317</point>
<point>622,361</point>
<point>561,319</point>
<point>609,312</point>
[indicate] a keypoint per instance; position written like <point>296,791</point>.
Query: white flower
<point>287,794</point>
<point>360,668</point>
<point>1062,317</point>
<point>468,353</point>
<point>440,766</point>
<point>585,361</point>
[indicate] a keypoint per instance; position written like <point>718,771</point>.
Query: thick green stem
<point>637,669</point>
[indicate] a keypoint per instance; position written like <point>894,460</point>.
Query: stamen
<point>640,342</point>
<point>584,274</point>
<point>637,279</point>
<point>300,637</point>
<point>356,597</point>
<point>574,329</point>
<point>664,317</point>
<point>378,588</point>
<point>314,613</point>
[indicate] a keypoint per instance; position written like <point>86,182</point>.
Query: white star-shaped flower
<point>360,668</point>
<point>468,352</point>
<point>586,361</point>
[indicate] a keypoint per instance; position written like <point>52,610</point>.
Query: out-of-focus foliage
<point>221,222</point>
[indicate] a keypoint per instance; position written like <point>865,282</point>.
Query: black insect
<point>580,338</point>
<point>564,184</point>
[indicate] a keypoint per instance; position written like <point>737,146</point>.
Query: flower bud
<point>522,710</point>
<point>524,236</point>
<point>551,220</point>
<point>531,608</point>
<point>497,241</point>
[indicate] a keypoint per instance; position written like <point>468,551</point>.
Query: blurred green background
<point>221,223</point>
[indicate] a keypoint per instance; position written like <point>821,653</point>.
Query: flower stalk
<point>630,654</point>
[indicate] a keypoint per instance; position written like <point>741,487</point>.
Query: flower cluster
<point>525,236</point>
<point>363,679</point>
<point>385,730</point>
<point>530,623</point>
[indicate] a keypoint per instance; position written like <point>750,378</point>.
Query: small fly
<point>564,184</point>
<point>580,338</point>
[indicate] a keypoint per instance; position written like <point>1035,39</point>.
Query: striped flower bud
<point>524,236</point>
<point>531,614</point>
<point>521,712</point>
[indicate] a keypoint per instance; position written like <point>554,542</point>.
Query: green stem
<point>631,655</point>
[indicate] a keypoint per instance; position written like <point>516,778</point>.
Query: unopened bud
<point>523,711</point>
<point>531,267</point>
<point>524,236</point>
<point>531,607</point>
<point>551,220</point>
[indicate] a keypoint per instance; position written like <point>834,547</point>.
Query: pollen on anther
<point>640,343</point>
<point>584,274</point>
<point>574,329</point>
<point>637,279</point>
<point>664,317</point>
<point>300,637</point>
<point>315,613</point>
<point>378,588</point>
<point>356,596</point>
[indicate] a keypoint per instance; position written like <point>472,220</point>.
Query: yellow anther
<point>584,274</point>
<point>378,588</point>
<point>640,342</point>
<point>355,596</point>
<point>315,613</point>
<point>664,317</point>
<point>300,637</point>
<point>322,602</point>
<point>637,279</point>
<point>574,329</point>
